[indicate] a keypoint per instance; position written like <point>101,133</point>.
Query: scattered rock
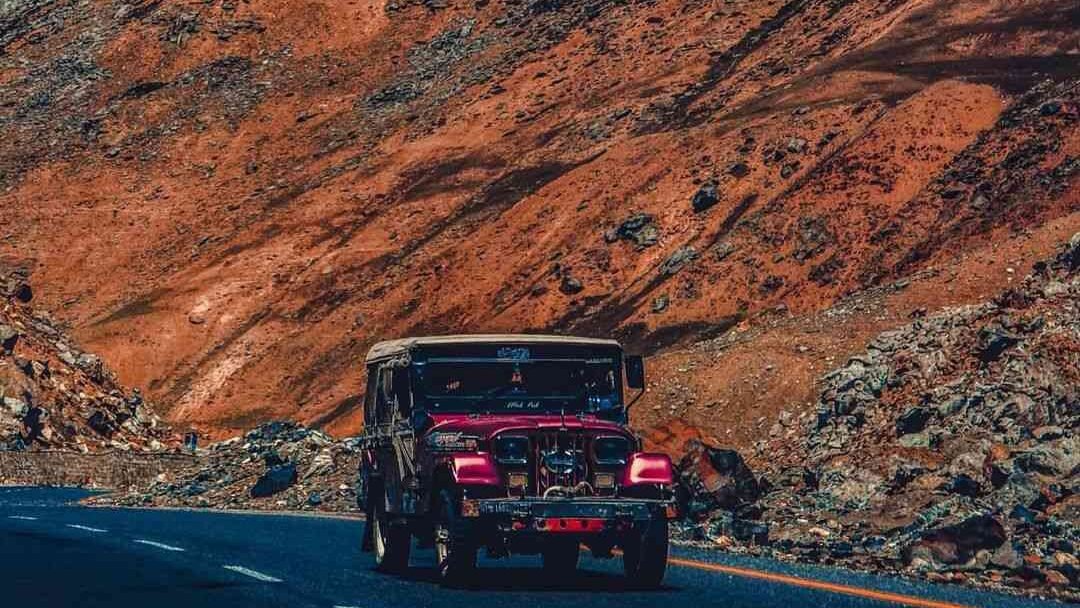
<point>722,250</point>
<point>278,465</point>
<point>913,420</point>
<point>948,449</point>
<point>640,229</point>
<point>993,341</point>
<point>1050,108</point>
<point>677,261</point>
<point>57,397</point>
<point>739,169</point>
<point>705,198</point>
<point>1007,557</point>
<point>570,285</point>
<point>9,337</point>
<point>17,407</point>
<point>1048,433</point>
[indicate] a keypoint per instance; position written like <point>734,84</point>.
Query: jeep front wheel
<point>645,554</point>
<point>455,549</point>
<point>391,541</point>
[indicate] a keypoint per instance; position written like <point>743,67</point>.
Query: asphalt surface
<point>54,553</point>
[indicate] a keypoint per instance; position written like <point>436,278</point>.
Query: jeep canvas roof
<point>390,348</point>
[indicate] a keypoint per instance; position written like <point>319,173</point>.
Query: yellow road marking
<point>884,596</point>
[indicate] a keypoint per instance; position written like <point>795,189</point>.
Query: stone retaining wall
<point>112,470</point>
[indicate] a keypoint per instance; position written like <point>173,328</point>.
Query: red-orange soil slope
<point>232,200</point>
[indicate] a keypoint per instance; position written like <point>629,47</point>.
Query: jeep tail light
<point>452,442</point>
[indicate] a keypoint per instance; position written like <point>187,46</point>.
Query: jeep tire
<point>455,547</point>
<point>391,541</point>
<point>645,554</point>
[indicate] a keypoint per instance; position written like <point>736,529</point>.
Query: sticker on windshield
<point>516,353</point>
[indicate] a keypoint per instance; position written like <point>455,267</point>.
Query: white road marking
<point>159,545</point>
<point>336,606</point>
<point>87,528</point>
<point>22,517</point>
<point>266,578</point>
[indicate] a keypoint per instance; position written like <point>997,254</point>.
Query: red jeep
<point>514,444</point>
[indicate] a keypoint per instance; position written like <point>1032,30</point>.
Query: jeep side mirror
<point>635,371</point>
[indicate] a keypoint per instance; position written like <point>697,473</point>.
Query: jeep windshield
<point>527,386</point>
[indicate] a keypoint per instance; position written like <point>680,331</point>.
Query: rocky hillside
<point>277,466</point>
<point>232,200</point>
<point>56,396</point>
<point>949,449</point>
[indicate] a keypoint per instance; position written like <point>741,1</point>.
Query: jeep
<point>514,444</point>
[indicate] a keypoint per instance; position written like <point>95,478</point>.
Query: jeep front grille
<point>560,462</point>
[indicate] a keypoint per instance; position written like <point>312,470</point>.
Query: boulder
<point>739,169</point>
<point>16,287</point>
<point>272,459</point>
<point>1056,458</point>
<point>276,479</point>
<point>35,423</point>
<point>1048,433</point>
<point>993,341</point>
<point>101,422</point>
<point>1069,257</point>
<point>849,487</point>
<point>913,420</point>
<point>9,337</point>
<point>744,530</point>
<point>92,365</point>
<point>957,543</point>
<point>678,260</point>
<point>705,198</point>
<point>964,485</point>
<point>915,440</point>
<point>570,285</point>
<point>717,478</point>
<point>17,407</point>
<point>1007,557</point>
<point>24,293</point>
<point>640,229</point>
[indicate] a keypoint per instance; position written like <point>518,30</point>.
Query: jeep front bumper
<point>569,514</point>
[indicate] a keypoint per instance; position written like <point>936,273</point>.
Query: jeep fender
<point>647,468</point>
<point>472,469</point>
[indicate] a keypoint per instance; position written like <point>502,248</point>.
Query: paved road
<point>53,553</point>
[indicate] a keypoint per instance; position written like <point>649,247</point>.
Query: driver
<point>517,380</point>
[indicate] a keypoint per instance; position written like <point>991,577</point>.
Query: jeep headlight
<point>452,442</point>
<point>512,449</point>
<point>611,450</point>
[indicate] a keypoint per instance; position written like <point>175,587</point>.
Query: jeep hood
<point>487,426</point>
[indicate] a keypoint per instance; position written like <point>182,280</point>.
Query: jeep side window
<point>384,397</point>
<point>370,396</point>
<point>402,393</point>
<point>394,396</point>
